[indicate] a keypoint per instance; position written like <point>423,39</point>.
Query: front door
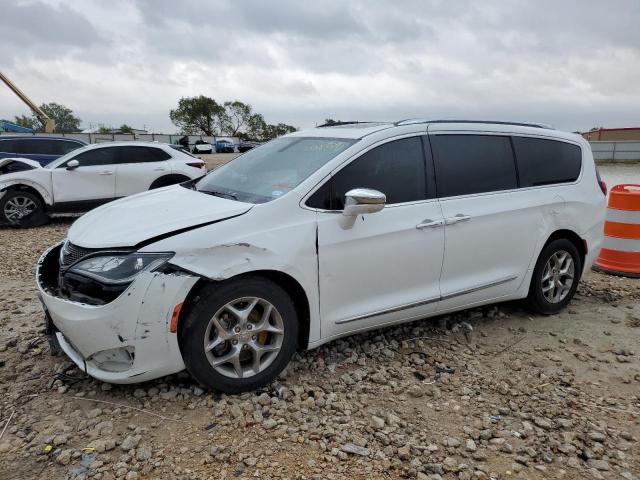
<point>382,267</point>
<point>93,182</point>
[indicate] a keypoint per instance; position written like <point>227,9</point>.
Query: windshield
<point>273,169</point>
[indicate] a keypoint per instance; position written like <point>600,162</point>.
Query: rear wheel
<point>555,277</point>
<point>240,335</point>
<point>22,209</point>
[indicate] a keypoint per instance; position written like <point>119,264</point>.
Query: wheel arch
<point>25,188</point>
<point>284,280</point>
<point>573,237</point>
<point>170,179</point>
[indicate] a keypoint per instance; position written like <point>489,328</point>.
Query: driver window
<point>96,157</point>
<point>396,169</point>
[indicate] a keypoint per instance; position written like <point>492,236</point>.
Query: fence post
<point>613,155</point>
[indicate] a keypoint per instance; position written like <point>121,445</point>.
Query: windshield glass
<point>273,169</point>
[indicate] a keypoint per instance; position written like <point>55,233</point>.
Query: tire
<point>32,215</point>
<point>199,326</point>
<point>550,263</point>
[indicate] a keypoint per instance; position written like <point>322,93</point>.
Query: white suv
<point>321,234</point>
<point>88,177</point>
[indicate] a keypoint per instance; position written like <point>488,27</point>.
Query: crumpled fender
<point>44,193</point>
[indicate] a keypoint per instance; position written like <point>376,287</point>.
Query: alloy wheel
<point>558,276</point>
<point>244,337</point>
<point>19,207</point>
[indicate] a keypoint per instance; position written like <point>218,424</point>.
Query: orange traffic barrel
<point>620,254</point>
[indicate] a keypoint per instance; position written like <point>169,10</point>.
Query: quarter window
<point>468,164</point>
<point>396,169</point>
<point>544,162</point>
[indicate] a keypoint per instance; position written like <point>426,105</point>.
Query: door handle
<point>428,223</point>
<point>106,172</point>
<point>457,219</point>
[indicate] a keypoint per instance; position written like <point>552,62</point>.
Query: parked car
<point>42,149</point>
<point>88,177</point>
<point>245,146</point>
<point>202,147</point>
<point>321,234</point>
<point>225,146</point>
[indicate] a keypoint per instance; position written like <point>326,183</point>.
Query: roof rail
<point>337,124</point>
<point>412,121</point>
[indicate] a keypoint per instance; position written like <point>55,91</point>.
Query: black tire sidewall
<point>536,298</point>
<point>212,298</point>
<point>36,218</point>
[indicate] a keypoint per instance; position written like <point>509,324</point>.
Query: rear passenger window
<point>142,155</point>
<point>467,164</point>
<point>396,169</point>
<point>544,162</point>
<point>9,146</point>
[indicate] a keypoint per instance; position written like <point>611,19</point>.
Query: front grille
<point>72,253</point>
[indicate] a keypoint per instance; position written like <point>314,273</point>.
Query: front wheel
<point>555,277</point>
<point>239,335</point>
<point>22,209</point>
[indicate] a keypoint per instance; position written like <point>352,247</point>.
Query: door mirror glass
<point>73,164</point>
<point>363,200</point>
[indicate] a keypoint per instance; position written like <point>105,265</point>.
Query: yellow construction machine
<point>47,122</point>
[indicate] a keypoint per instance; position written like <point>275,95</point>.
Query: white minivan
<point>320,234</point>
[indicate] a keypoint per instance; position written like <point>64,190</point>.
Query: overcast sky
<point>571,63</point>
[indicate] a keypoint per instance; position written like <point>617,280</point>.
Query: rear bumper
<point>126,340</point>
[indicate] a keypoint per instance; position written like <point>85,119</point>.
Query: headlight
<point>119,269</point>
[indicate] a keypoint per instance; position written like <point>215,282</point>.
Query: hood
<point>132,220</point>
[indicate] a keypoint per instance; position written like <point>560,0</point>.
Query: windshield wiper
<point>220,194</point>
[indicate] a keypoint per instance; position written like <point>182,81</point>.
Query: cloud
<point>562,62</point>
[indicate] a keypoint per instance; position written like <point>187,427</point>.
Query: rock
<point>415,391</point>
<point>404,452</point>
<point>130,442</point>
<point>250,461</point>
<point>139,393</point>
<point>377,422</point>
<point>355,449</point>
<point>470,446</point>
<point>132,475</point>
<point>601,465</point>
<point>543,423</point>
<point>5,447</point>
<point>597,436</point>
<point>270,423</point>
<point>143,453</point>
<point>94,413</point>
<point>64,457</point>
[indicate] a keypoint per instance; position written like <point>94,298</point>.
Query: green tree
<point>124,128</point>
<point>198,115</point>
<point>27,122</point>
<point>66,121</point>
<point>330,121</point>
<point>236,118</point>
<point>104,130</point>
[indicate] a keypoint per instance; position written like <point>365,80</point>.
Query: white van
<point>321,234</point>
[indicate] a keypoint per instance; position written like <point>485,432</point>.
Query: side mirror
<point>73,164</point>
<point>363,200</point>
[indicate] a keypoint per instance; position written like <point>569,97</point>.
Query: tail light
<point>197,164</point>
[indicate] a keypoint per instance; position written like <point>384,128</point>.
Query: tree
<point>330,121</point>
<point>275,131</point>
<point>124,128</point>
<point>104,130</point>
<point>27,122</point>
<point>198,115</point>
<point>66,122</point>
<point>236,118</point>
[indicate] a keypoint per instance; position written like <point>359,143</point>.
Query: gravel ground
<point>487,393</point>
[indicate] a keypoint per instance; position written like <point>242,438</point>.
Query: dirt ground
<point>516,396</point>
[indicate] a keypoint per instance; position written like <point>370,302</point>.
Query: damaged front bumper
<point>126,340</point>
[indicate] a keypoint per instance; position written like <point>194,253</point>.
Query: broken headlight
<point>119,269</point>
